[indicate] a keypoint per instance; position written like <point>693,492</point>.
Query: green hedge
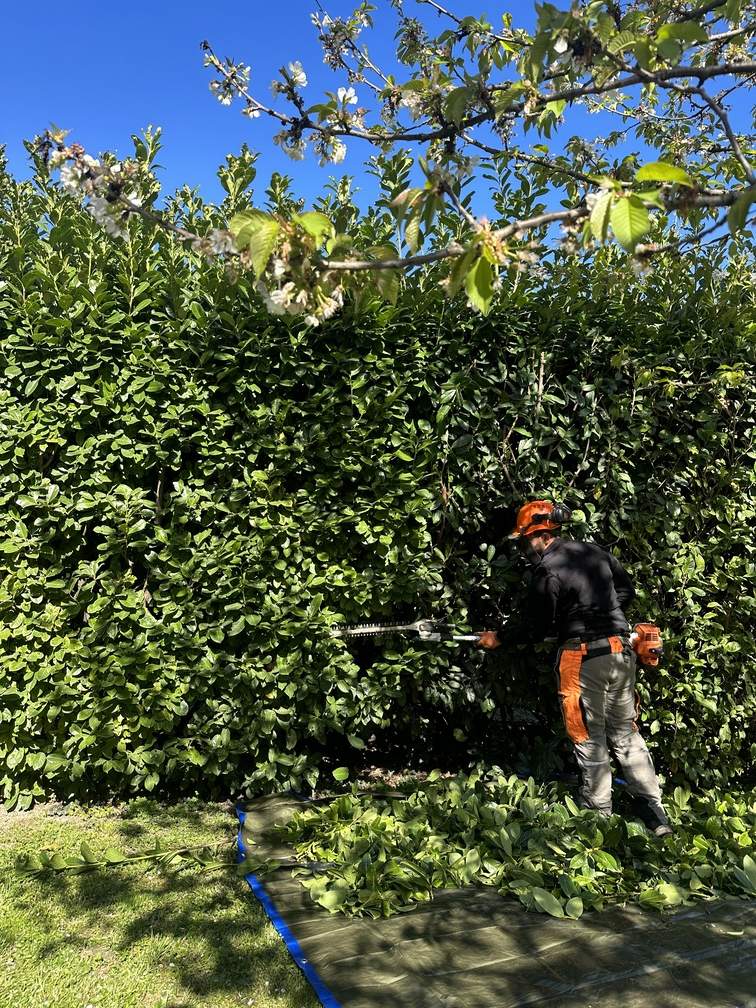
<point>192,491</point>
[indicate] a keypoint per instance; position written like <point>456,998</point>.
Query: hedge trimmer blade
<point>424,629</point>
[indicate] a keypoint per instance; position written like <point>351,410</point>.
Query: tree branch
<point>699,12</point>
<point>458,21</point>
<point>530,159</point>
<point>462,210</point>
<point>360,55</point>
<point>455,251</point>
<point>721,114</point>
<point>638,76</point>
<point>449,130</point>
<point>724,36</point>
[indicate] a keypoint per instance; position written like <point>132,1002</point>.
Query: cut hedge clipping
<point>526,840</point>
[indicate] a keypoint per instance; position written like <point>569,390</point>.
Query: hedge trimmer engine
<point>422,629</point>
<point>646,641</point>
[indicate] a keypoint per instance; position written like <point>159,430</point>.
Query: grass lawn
<point>135,937</point>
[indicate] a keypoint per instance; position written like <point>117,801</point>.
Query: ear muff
<point>560,514</point>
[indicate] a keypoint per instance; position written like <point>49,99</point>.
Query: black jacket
<point>578,590</point>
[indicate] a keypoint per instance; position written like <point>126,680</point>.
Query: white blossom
<point>347,95</point>
<point>58,158</point>
<point>333,154</point>
<point>313,305</point>
<point>297,74</point>
<point>295,149</point>
<point>220,90</point>
<point>276,301</point>
<point>338,152</point>
<point>221,241</point>
<point>108,216</point>
<point>640,266</point>
<point>70,177</point>
<point>412,101</point>
<point>562,44</point>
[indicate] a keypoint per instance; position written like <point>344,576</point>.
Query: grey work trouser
<point>598,700</point>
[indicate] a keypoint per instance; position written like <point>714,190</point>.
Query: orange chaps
<point>598,700</point>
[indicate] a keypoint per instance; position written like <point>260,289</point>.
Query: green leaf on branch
<point>503,100</point>
<point>571,805</point>
<point>479,285</point>
<point>550,116</point>
<point>456,103</point>
<point>113,856</point>
<point>341,773</point>
<point>630,221</point>
<point>339,243</point>
<point>317,225</point>
<point>532,64</point>
<point>255,232</point>
<point>738,212</point>
<point>661,171</point>
<point>643,53</point>
<point>600,215</point>
<point>412,234</point>
<point>683,32</point>
<point>87,853</point>
<point>459,271</point>
<point>733,10</point>
<point>621,41</point>
<point>673,39</point>
<point>389,285</point>
<point>388,281</point>
<point>402,204</point>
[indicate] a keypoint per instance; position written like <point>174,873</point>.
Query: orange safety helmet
<point>539,516</point>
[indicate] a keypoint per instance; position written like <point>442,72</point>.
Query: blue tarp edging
<point>324,995</point>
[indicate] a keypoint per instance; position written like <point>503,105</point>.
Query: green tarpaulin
<point>472,948</point>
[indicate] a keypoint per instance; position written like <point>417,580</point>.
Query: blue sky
<point>105,71</point>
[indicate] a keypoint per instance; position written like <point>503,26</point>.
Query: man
<point>577,595</point>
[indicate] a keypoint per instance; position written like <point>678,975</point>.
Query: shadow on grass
<point>205,927</point>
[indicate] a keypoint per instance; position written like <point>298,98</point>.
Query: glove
<point>489,640</point>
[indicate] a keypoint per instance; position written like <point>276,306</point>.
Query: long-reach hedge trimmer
<point>422,629</point>
<point>645,638</point>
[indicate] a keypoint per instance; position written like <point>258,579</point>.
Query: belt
<point>573,644</point>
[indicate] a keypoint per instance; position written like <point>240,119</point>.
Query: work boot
<point>662,831</point>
